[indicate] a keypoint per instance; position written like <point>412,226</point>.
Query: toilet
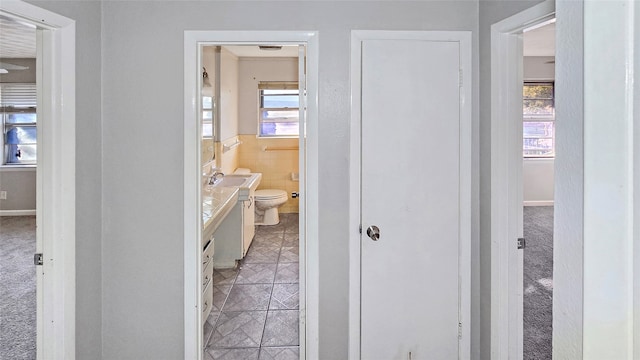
<point>267,203</point>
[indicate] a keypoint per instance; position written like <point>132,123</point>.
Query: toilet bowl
<point>267,203</point>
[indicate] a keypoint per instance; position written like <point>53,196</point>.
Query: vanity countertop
<point>217,201</point>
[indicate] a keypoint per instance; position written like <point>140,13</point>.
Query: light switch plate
<point>3,195</point>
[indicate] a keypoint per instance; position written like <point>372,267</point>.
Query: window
<point>18,116</point>
<point>278,114</point>
<point>539,117</point>
<point>207,116</point>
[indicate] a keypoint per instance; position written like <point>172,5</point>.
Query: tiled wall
<point>207,151</point>
<point>228,161</point>
<point>275,165</point>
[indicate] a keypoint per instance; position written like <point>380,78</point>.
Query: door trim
<point>309,259</point>
<point>464,38</point>
<point>506,184</point>
<point>55,177</point>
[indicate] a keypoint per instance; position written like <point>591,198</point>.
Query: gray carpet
<point>17,288</point>
<point>538,282</point>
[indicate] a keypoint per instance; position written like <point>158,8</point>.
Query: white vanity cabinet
<point>235,233</point>
<point>207,278</point>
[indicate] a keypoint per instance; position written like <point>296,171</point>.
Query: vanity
<point>217,204</point>
<point>235,233</point>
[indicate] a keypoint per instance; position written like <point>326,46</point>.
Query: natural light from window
<point>539,116</point>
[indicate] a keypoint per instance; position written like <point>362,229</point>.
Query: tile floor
<point>255,307</point>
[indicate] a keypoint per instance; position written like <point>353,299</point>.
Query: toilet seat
<point>268,194</point>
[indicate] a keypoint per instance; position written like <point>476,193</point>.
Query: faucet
<point>215,172</point>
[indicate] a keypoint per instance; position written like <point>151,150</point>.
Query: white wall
<point>537,174</point>
<point>228,95</point>
<point>142,123</point>
<point>89,209</point>
<point>252,71</point>
<point>537,181</point>
<point>538,68</point>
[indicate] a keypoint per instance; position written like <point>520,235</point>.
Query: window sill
<point>538,158</point>
<point>11,168</point>
<point>278,137</point>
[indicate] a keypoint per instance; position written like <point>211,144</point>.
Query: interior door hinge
<point>460,77</point>
<point>37,259</point>
<point>522,243</point>
<point>459,330</point>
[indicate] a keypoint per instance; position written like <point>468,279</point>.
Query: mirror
<point>207,105</point>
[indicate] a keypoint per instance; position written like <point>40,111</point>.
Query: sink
<point>232,181</point>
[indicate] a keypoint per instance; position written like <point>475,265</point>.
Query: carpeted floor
<point>538,282</point>
<point>17,288</point>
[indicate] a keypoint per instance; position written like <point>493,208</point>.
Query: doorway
<point>539,144</point>
<point>307,144</point>
<point>55,178</point>
<point>257,102</point>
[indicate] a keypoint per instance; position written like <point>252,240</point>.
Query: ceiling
<point>540,41</point>
<point>17,40</point>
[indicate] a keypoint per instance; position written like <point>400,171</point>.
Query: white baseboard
<point>17,212</point>
<point>538,203</point>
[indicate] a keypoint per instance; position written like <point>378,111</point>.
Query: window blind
<point>18,95</point>
<point>278,85</point>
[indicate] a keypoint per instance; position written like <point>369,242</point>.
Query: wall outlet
<point>3,195</point>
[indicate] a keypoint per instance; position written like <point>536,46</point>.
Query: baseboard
<point>17,212</point>
<point>224,264</point>
<point>538,203</point>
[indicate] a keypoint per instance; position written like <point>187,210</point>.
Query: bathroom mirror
<point>208,116</point>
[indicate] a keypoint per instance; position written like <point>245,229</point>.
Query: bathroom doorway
<point>288,249</point>
<point>255,115</point>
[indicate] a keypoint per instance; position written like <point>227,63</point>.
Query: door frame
<point>464,38</point>
<point>309,259</point>
<point>55,178</point>
<point>506,178</point>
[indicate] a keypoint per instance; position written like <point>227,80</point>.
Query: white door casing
<point>410,176</point>
<point>506,179</point>
<point>309,261</point>
<point>55,212</point>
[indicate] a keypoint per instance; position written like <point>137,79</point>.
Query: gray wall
<point>490,12</point>
<point>20,185</point>
<point>20,76</point>
<point>88,172</point>
<point>142,252</point>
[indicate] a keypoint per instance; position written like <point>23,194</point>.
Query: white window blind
<point>18,95</point>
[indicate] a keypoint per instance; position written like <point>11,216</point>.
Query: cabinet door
<point>249,228</point>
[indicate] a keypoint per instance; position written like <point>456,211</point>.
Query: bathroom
<point>255,304</point>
